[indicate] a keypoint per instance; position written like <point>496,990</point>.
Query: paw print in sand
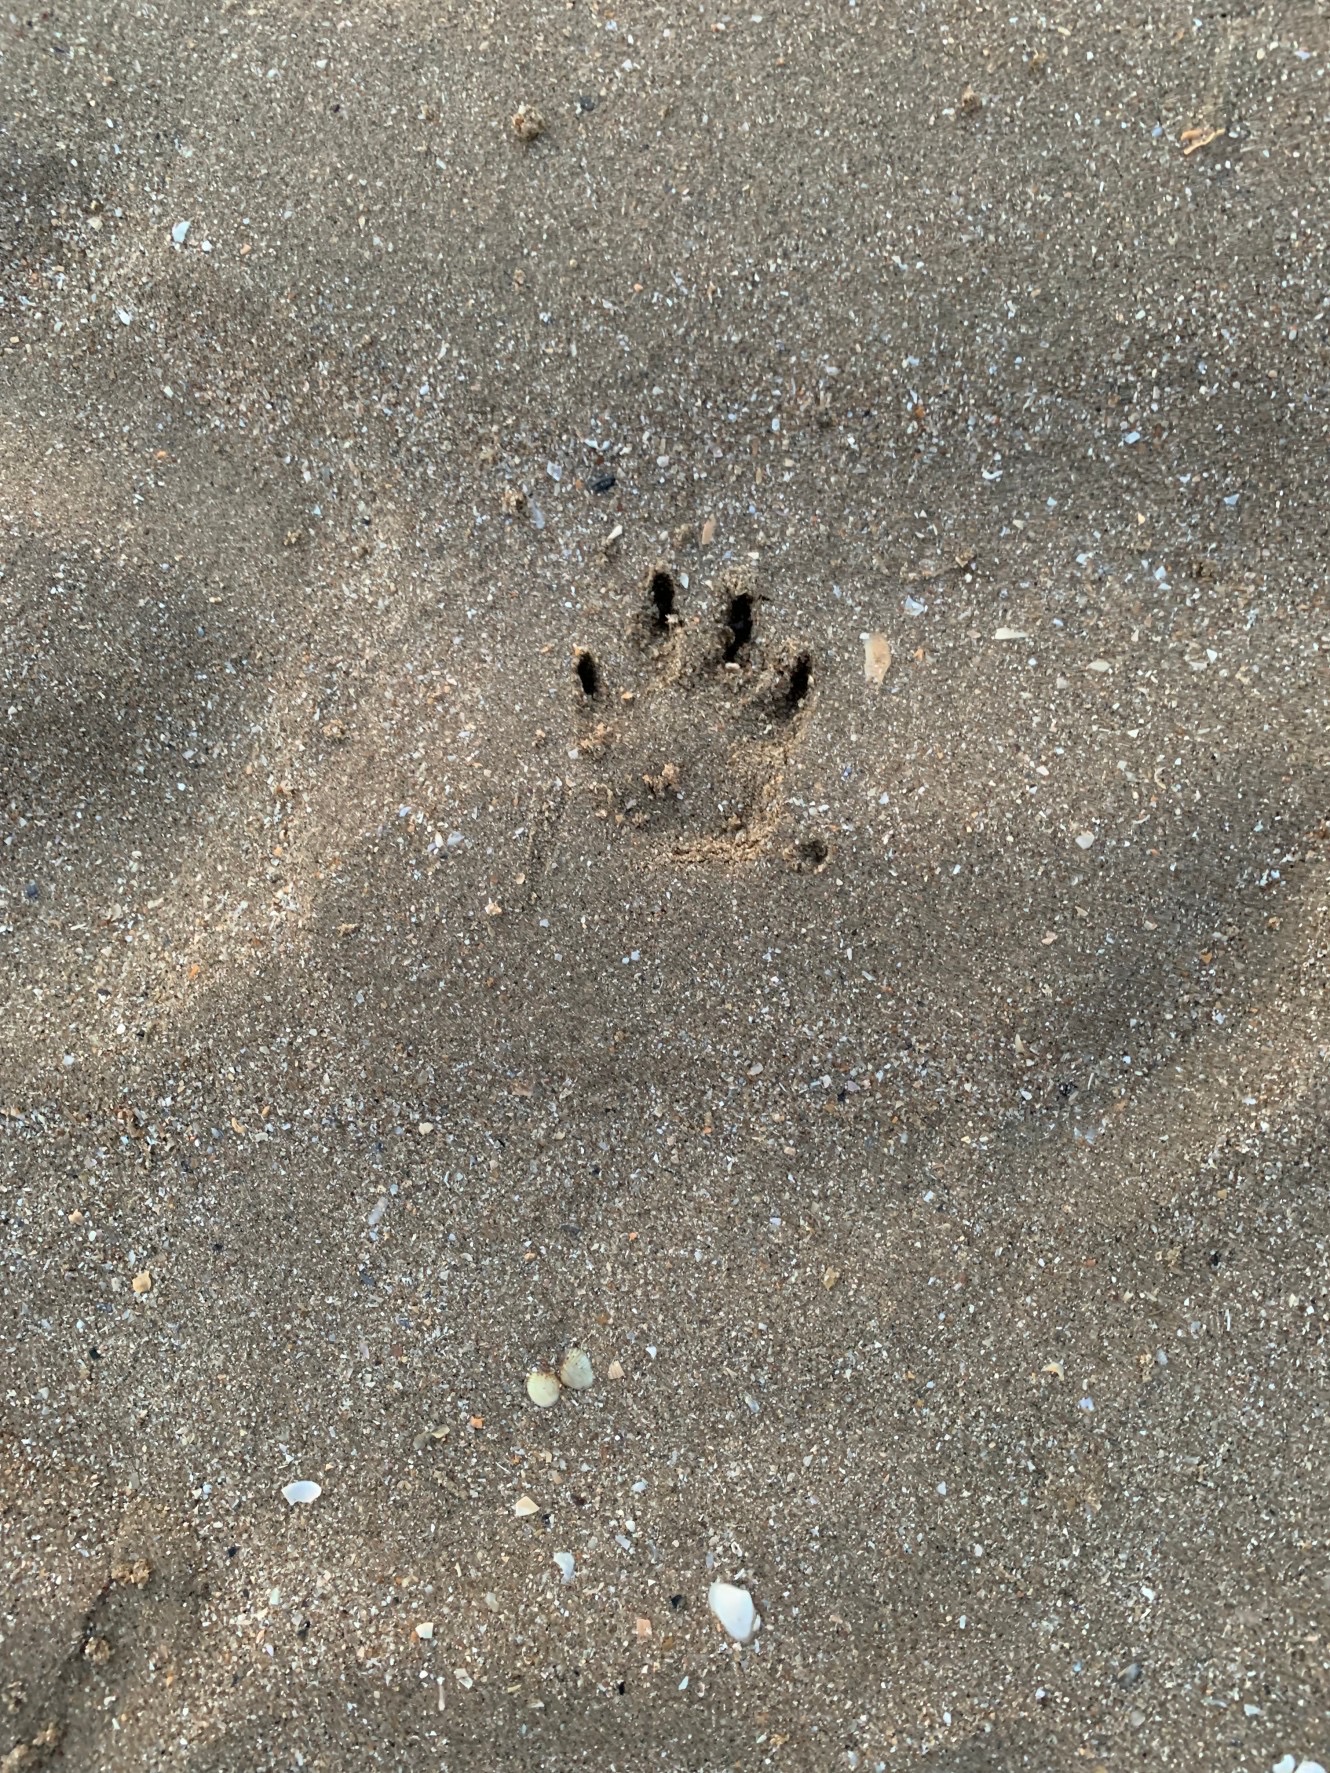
<point>691,750</point>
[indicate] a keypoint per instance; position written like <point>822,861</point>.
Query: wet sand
<point>700,736</point>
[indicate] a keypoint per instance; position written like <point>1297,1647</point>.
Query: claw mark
<point>738,626</point>
<point>662,592</point>
<point>801,679</point>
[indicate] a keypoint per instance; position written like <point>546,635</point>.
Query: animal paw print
<point>691,748</point>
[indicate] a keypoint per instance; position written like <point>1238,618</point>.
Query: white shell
<point>564,1559</point>
<point>302,1490</point>
<point>542,1388</point>
<point>575,1369</point>
<point>734,1608</point>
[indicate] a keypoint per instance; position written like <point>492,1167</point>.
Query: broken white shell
<point>564,1559</point>
<point>575,1369</point>
<point>542,1388</point>
<point>734,1609</point>
<point>302,1490</point>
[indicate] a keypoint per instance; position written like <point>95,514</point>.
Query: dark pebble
<point>603,483</point>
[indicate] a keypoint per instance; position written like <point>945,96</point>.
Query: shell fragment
<point>734,1608</point>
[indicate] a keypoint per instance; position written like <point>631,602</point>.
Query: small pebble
<point>425,1629</point>
<point>142,1283</point>
<point>733,1607</point>
<point>302,1490</point>
<point>542,1388</point>
<point>179,232</point>
<point>575,1369</point>
<point>1084,839</point>
<point>528,124</point>
<point>524,1507</point>
<point>614,1370</point>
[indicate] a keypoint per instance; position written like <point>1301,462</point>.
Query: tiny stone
<point>528,123</point>
<point>425,1629</point>
<point>97,1650</point>
<point>1084,839</point>
<point>524,1507</point>
<point>425,1128</point>
<point>542,1388</point>
<point>829,1277</point>
<point>614,1370</point>
<point>575,1369</point>
<point>142,1283</point>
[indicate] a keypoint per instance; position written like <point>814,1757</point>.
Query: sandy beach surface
<point>664,693</point>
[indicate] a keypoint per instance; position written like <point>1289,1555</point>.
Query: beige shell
<point>575,1369</point>
<point>542,1388</point>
